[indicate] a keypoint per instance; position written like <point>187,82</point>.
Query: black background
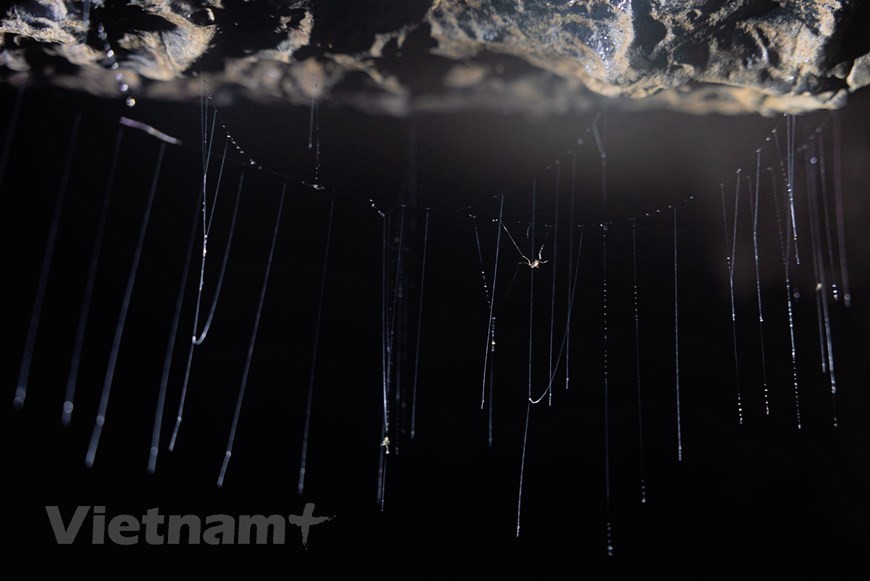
<point>763,494</point>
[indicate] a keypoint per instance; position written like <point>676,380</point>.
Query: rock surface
<point>533,56</point>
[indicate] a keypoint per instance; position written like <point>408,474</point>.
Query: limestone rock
<point>534,56</point>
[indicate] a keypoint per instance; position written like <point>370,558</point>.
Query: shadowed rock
<point>534,56</point>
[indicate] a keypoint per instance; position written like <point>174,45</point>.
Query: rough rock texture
<point>537,56</point>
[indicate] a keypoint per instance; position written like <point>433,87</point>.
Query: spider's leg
<point>540,252</point>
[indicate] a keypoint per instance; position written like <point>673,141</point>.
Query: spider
<point>386,444</point>
<point>536,263</point>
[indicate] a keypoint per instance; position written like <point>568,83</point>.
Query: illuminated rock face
<point>535,56</point>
